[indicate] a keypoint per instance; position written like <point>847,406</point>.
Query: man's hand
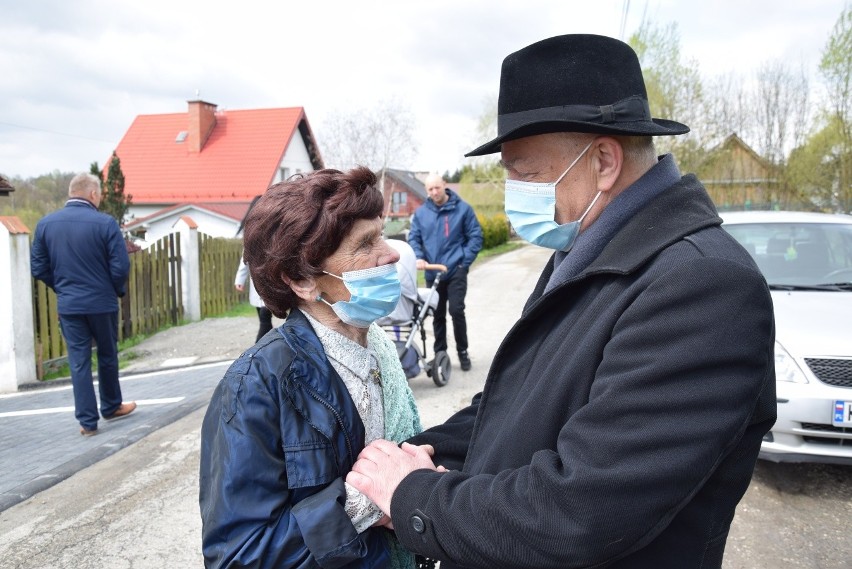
<point>382,465</point>
<point>421,264</point>
<point>240,287</point>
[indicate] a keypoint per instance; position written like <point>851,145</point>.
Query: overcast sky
<point>76,73</point>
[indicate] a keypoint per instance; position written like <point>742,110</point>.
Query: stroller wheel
<point>440,369</point>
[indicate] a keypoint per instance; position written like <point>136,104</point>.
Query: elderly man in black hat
<point>624,411</point>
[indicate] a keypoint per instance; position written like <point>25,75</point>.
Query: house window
<point>399,201</point>
<point>285,173</point>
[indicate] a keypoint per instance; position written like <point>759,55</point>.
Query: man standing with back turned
<point>80,254</point>
<point>445,231</point>
<point>623,413</point>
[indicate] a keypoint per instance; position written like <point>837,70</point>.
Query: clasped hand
<point>382,465</point>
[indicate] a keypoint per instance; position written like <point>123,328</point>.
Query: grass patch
<point>483,256</point>
<point>506,247</point>
<point>125,356</point>
<point>239,310</point>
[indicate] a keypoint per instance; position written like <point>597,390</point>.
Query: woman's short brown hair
<point>297,224</point>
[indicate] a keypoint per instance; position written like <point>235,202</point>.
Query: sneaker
<point>123,409</point>
<point>464,360</point>
<point>88,432</point>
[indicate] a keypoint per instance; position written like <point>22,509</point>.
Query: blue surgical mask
<point>375,293</point>
<point>531,209</point>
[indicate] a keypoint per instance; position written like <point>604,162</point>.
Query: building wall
<point>412,201</point>
<point>209,224</point>
<point>295,160</point>
<point>736,179</point>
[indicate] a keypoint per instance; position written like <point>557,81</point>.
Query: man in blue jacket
<point>79,253</point>
<point>445,231</point>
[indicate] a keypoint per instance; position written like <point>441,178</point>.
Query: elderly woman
<point>290,416</point>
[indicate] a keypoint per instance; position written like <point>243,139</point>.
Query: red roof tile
<point>239,160</point>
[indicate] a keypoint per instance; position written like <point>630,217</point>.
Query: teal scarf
<point>402,420</point>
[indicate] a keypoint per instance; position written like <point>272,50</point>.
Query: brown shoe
<point>88,433</point>
<point>123,410</point>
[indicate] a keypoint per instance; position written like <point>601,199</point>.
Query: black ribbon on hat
<point>631,109</point>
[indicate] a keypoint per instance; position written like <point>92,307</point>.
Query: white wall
<point>208,223</point>
<point>296,159</point>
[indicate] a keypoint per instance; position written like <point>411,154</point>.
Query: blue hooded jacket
<point>448,234</point>
<point>79,253</point>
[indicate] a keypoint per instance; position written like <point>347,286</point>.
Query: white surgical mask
<point>531,209</point>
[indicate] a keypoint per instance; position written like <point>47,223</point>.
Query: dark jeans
<point>79,330</point>
<point>265,317</point>
<point>451,291</point>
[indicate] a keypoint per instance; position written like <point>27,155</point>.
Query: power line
<point>55,132</point>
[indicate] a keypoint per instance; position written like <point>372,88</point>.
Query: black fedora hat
<point>574,83</point>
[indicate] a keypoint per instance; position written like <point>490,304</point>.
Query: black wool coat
<point>622,415</point>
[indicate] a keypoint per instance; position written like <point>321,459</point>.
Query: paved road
<point>128,497</point>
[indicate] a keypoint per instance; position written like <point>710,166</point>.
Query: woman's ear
<point>609,159</point>
<point>305,289</point>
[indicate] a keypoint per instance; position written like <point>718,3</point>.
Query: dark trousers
<point>451,291</point>
<point>265,317</point>
<point>79,330</point>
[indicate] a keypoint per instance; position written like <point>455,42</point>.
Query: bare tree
<point>728,109</point>
<point>781,110</point>
<point>378,137</point>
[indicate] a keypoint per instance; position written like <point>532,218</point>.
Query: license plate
<point>842,414</point>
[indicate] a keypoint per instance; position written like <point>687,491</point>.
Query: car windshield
<point>798,254</point>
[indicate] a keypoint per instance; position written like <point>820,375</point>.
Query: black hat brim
<point>654,127</point>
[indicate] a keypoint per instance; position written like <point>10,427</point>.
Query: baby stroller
<point>414,307</point>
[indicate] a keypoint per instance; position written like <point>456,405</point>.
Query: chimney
<point>202,119</point>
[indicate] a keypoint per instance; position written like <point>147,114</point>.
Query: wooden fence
<point>218,264</point>
<point>153,301</point>
<point>154,298</point>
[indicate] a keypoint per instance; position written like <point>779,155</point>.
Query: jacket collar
<point>315,372</point>
<point>450,204</point>
<point>680,210</point>
<point>80,202</point>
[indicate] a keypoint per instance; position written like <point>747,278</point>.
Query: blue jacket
<point>79,253</point>
<point>277,440</point>
<point>449,234</point>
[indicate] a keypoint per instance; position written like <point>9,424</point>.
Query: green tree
<point>836,70</point>
<point>113,199</point>
<point>812,170</point>
<point>675,92</point>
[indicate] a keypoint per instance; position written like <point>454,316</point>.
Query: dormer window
<point>181,136</point>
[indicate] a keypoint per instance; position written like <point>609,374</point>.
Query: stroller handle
<point>435,267</point>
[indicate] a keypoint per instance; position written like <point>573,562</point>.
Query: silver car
<point>807,261</point>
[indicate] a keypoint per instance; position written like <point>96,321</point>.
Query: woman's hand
<point>382,465</point>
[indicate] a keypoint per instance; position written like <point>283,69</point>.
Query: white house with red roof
<point>208,164</point>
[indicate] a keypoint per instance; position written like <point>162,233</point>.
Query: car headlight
<point>786,368</point>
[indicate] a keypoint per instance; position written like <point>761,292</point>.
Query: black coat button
<point>417,524</point>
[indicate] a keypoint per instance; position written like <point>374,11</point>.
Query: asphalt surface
<point>128,497</point>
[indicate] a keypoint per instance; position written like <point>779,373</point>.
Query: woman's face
<point>363,248</point>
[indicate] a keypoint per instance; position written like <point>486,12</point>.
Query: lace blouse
<point>358,367</point>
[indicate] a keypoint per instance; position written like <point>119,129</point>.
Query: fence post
<point>17,335</point>
<point>190,267</point>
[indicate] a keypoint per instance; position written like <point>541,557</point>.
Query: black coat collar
<point>680,210</point>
